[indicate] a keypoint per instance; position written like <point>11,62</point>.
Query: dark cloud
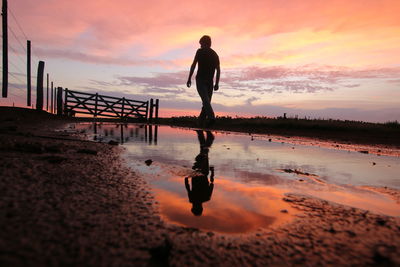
<point>250,100</point>
<point>305,79</point>
<point>162,80</point>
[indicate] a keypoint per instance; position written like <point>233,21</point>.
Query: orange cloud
<point>141,29</point>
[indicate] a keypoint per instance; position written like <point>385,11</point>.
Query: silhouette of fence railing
<point>108,107</point>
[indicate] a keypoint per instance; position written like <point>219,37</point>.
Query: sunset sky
<point>320,59</point>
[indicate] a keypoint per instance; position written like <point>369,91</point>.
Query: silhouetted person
<point>202,189</point>
<point>208,62</point>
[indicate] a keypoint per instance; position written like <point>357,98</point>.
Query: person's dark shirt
<point>208,61</point>
<point>201,189</point>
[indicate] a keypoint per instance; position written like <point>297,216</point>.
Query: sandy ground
<point>66,201</point>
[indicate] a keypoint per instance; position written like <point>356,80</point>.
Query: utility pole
<point>51,98</point>
<point>47,96</point>
<point>28,68</point>
<point>39,87</point>
<point>5,48</point>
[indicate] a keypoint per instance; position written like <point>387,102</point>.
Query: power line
<point>16,77</point>
<point>16,37</point>
<point>15,66</point>
<point>16,53</point>
<point>23,32</point>
<point>19,26</point>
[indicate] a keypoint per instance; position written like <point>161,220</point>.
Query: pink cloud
<point>106,28</point>
<point>305,79</point>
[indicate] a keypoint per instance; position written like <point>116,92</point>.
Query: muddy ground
<point>68,201</point>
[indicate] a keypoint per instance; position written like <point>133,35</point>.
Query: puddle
<point>234,183</point>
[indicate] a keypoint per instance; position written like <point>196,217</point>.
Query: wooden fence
<point>108,107</point>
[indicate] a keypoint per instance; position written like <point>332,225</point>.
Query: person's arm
<point>212,174</point>
<point>216,86</point>
<point>211,190</point>
<point>192,67</point>
<point>187,186</point>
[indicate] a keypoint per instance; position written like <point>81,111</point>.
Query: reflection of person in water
<point>202,189</point>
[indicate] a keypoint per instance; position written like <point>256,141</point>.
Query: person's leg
<point>203,88</point>
<point>201,138</point>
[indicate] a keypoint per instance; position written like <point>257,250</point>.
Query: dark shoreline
<point>347,132</point>
<point>328,130</point>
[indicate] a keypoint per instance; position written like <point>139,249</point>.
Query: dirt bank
<point>66,201</point>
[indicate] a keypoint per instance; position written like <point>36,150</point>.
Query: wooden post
<point>155,134</point>
<point>156,115</point>
<point>28,75</point>
<point>59,101</point>
<point>151,110</point>
<point>150,134</point>
<point>51,98</point>
<point>66,103</point>
<point>39,86</point>
<point>147,110</point>
<point>122,108</point>
<point>47,95</point>
<point>95,104</point>
<point>54,100</point>
<point>5,48</point>
<point>122,134</point>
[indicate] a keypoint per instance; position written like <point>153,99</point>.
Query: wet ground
<point>236,183</point>
<point>72,202</point>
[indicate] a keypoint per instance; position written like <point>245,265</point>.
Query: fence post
<point>55,100</point>
<point>59,101</point>
<point>95,104</point>
<point>156,115</point>
<point>150,134</point>
<point>66,102</point>
<point>39,86</point>
<point>155,134</point>
<point>147,110</point>
<point>47,95</point>
<point>122,108</point>
<point>28,74</point>
<point>51,98</point>
<point>5,48</point>
<point>151,110</point>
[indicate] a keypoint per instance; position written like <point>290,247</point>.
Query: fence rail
<point>107,106</point>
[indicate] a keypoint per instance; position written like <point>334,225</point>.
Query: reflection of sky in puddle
<point>249,178</point>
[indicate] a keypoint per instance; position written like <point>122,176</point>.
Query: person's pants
<point>205,90</point>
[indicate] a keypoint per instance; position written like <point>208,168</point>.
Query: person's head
<point>205,41</point>
<point>197,209</point>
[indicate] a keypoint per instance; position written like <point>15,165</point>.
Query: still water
<point>234,183</point>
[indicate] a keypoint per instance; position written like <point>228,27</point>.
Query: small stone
<point>380,221</point>
<point>113,143</point>
<point>148,162</point>
<point>364,151</point>
<point>284,211</point>
<point>210,234</point>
